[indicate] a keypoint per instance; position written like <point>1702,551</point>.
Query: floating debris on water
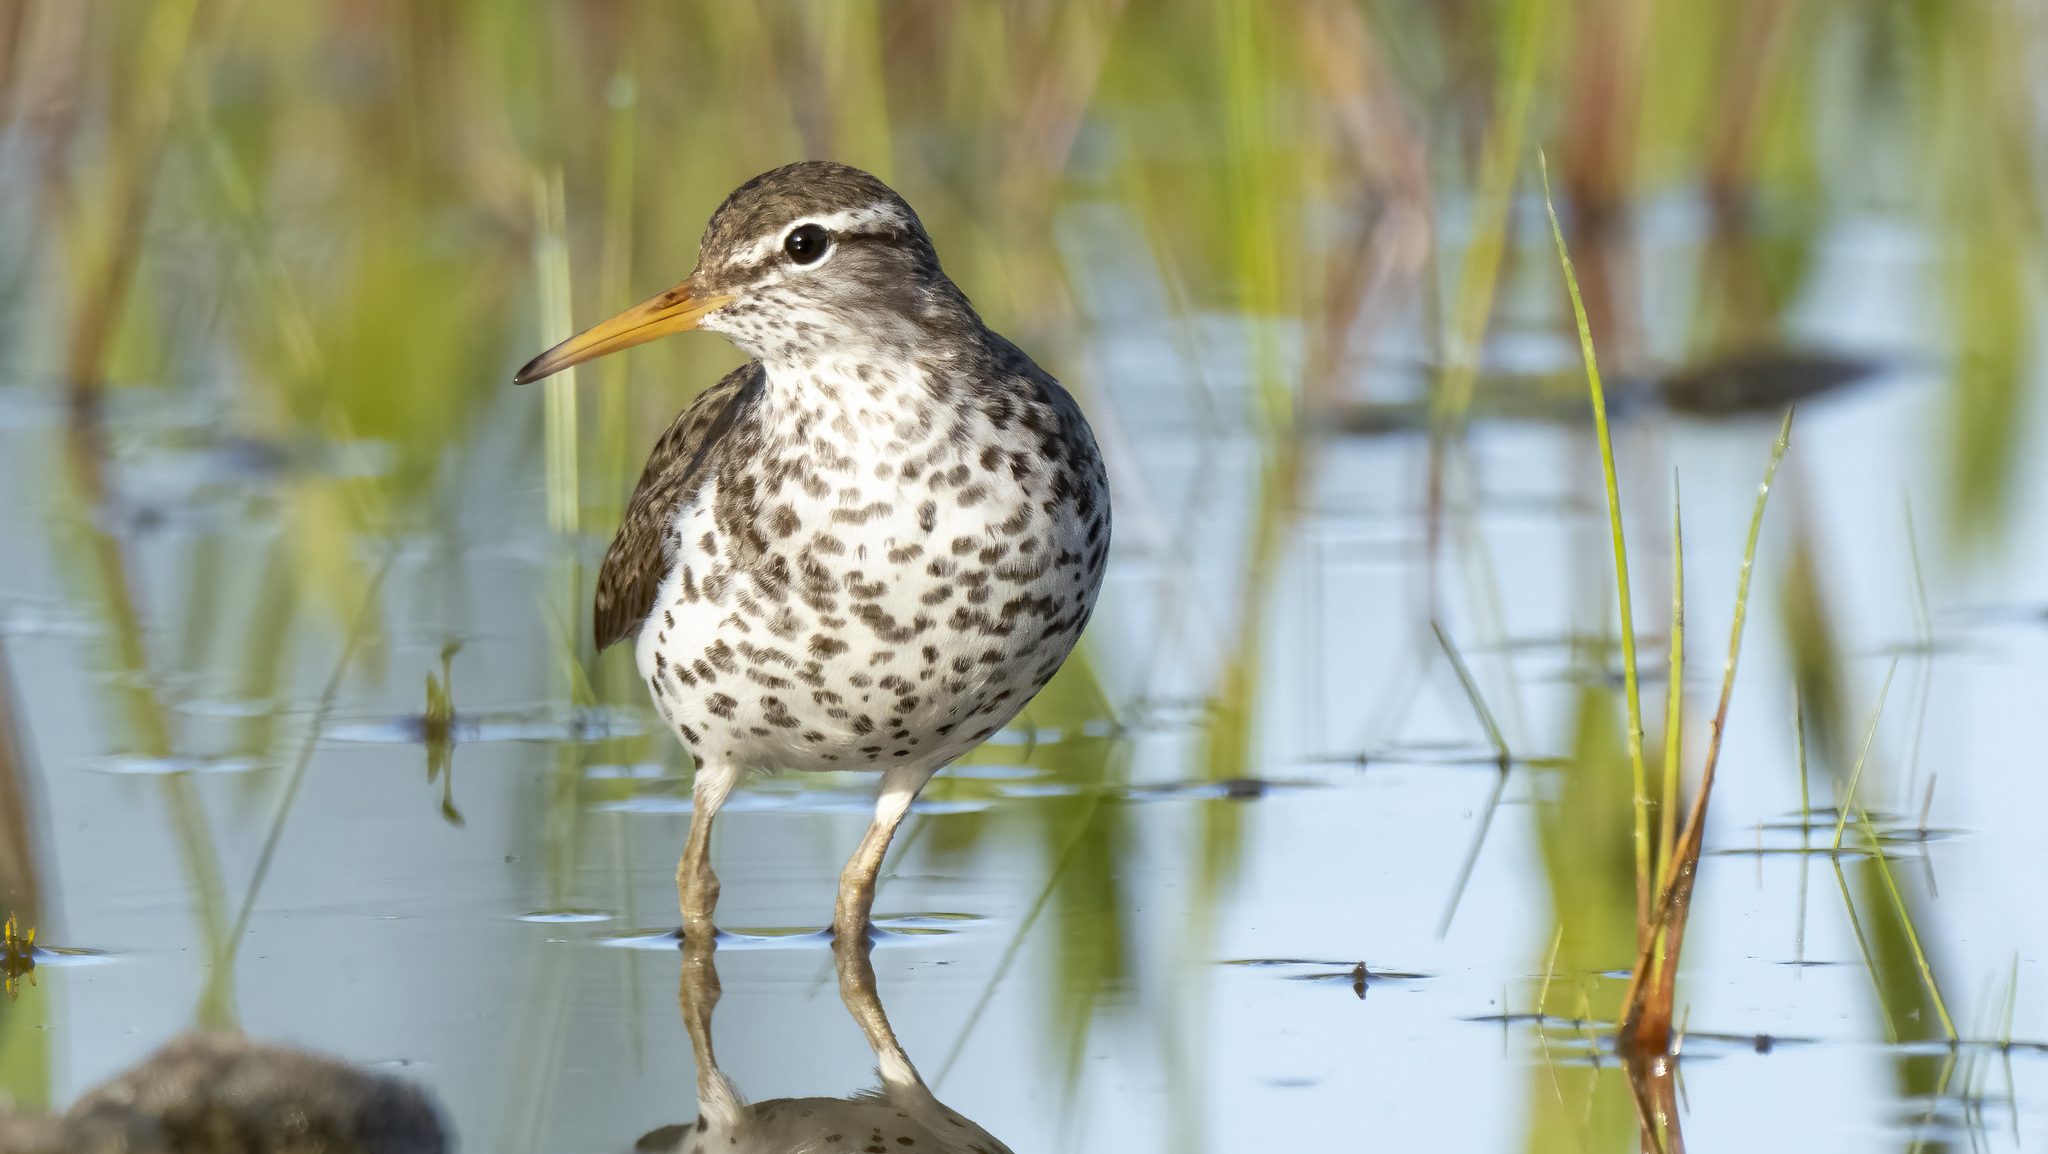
<point>17,955</point>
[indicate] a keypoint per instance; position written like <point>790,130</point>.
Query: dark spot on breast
<point>720,656</point>
<point>884,625</point>
<point>862,515</point>
<point>772,578</point>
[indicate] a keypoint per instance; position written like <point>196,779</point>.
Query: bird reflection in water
<point>901,1116</point>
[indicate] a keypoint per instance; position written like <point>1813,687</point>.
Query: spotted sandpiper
<point>865,548</point>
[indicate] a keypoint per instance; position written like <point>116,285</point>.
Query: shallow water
<point>520,963</point>
<point>1211,892</point>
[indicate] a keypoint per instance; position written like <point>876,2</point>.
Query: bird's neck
<point>868,402</point>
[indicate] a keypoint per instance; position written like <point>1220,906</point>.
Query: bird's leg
<point>697,991</point>
<point>696,885</point>
<point>900,785</point>
<point>857,990</point>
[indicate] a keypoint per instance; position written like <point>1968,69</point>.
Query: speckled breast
<point>872,585</point>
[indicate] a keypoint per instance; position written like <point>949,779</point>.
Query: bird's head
<point>812,259</point>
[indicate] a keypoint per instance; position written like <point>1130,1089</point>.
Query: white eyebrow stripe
<point>845,220</point>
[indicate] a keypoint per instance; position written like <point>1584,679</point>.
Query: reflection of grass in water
<point>1882,914</point>
<point>1583,832</point>
<point>364,626</point>
<point>438,724</point>
<point>148,723</point>
<point>1082,836</point>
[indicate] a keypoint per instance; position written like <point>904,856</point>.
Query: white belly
<point>906,620</point>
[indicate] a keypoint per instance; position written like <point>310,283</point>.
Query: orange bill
<point>675,311</point>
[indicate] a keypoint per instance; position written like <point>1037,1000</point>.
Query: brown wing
<point>639,557</point>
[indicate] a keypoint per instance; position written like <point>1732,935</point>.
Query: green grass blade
<point>1472,694</point>
<point>1665,936</point>
<point>1500,782</point>
<point>1848,803</point>
<point>1898,900</point>
<point>1623,602</point>
<point>1674,694</point>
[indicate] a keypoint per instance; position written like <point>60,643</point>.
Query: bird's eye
<point>806,243</point>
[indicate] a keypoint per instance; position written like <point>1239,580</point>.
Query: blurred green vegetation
<point>336,225</point>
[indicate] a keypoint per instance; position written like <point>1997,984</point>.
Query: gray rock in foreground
<point>225,1094</point>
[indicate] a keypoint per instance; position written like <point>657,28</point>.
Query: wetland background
<point>1326,838</point>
